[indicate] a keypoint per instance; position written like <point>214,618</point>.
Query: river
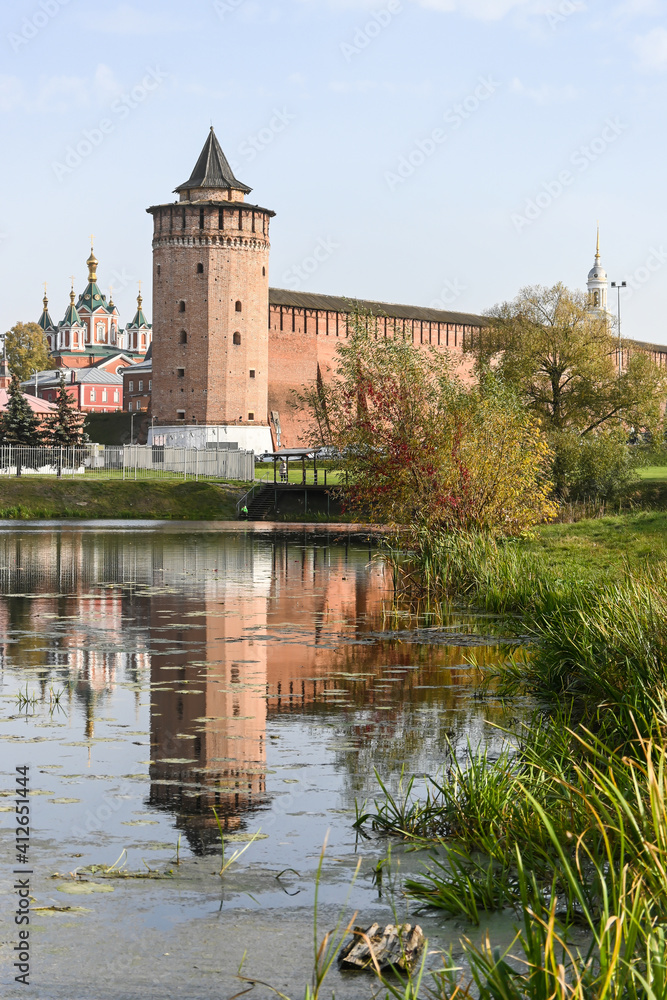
<point>155,672</point>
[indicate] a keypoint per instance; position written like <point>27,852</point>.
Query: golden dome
<point>92,263</point>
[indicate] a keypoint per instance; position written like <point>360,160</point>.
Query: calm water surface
<point>173,669</point>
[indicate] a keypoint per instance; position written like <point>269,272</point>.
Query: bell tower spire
<point>597,283</point>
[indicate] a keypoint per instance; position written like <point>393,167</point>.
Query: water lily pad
<point>84,888</point>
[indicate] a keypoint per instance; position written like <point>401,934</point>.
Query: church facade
<point>90,333</point>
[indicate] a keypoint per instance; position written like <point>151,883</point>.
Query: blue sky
<point>436,151</point>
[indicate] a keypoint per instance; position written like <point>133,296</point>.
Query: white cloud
<point>652,50</point>
<point>544,94</point>
<point>60,94</point>
<point>636,8</point>
<point>128,20</point>
<point>12,95</point>
<point>483,10</point>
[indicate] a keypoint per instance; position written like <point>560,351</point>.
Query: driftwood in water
<point>393,947</point>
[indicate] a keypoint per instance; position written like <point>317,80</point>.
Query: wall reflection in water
<point>230,631</point>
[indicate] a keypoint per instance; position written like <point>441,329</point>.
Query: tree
<point>422,449</point>
<point>27,350</point>
<point>65,425</point>
<point>19,424</point>
<point>561,360</point>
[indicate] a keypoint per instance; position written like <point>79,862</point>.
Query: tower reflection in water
<point>232,630</point>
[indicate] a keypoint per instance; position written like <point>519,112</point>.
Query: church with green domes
<point>90,333</point>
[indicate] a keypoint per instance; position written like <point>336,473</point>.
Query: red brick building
<point>138,385</point>
<point>94,390</point>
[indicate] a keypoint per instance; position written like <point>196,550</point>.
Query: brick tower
<point>211,311</point>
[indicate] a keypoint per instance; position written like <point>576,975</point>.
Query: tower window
<point>180,372</point>
<point>263,272</point>
<point>158,270</point>
<point>183,337</point>
<point>221,218</point>
<point>239,307</point>
<point>201,218</point>
<point>181,307</point>
<point>200,268</point>
<point>252,373</point>
<point>180,414</point>
<point>237,338</point>
<point>251,416</point>
<point>183,218</point>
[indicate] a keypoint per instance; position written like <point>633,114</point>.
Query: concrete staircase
<point>262,504</point>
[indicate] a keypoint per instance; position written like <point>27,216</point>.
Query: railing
<point>127,462</point>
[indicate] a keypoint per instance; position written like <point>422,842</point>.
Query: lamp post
<point>618,285</point>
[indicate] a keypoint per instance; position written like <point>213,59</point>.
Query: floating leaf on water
<point>7,809</point>
<point>84,888</point>
<point>290,781</point>
<point>141,822</point>
<point>243,838</point>
<point>64,802</point>
<point>56,911</point>
<point>176,760</point>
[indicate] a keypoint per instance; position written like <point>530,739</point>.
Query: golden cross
<point>72,279</point>
<point>45,287</point>
<point>140,283</point>
<point>92,241</point>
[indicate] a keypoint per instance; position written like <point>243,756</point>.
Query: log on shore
<point>392,948</point>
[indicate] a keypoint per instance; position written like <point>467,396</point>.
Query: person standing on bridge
<point>283,471</point>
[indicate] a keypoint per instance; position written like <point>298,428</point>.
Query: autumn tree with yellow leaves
<point>422,449</point>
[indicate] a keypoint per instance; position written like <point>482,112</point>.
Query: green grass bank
<point>28,498</point>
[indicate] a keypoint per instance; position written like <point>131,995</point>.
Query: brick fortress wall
<point>303,340</point>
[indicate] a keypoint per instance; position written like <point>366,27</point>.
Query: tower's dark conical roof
<point>213,170</point>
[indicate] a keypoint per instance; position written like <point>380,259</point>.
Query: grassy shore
<point>567,828</point>
<point>28,498</point>
<point>602,548</point>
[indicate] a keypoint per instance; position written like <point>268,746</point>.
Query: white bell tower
<point>597,283</point>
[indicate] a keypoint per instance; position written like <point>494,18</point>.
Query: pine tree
<point>65,426</point>
<point>20,425</point>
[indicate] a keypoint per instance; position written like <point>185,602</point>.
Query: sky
<point>439,153</point>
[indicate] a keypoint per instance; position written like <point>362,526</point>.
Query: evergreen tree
<point>65,426</point>
<point>20,425</point>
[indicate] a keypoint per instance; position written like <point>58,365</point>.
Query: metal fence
<point>127,462</point>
